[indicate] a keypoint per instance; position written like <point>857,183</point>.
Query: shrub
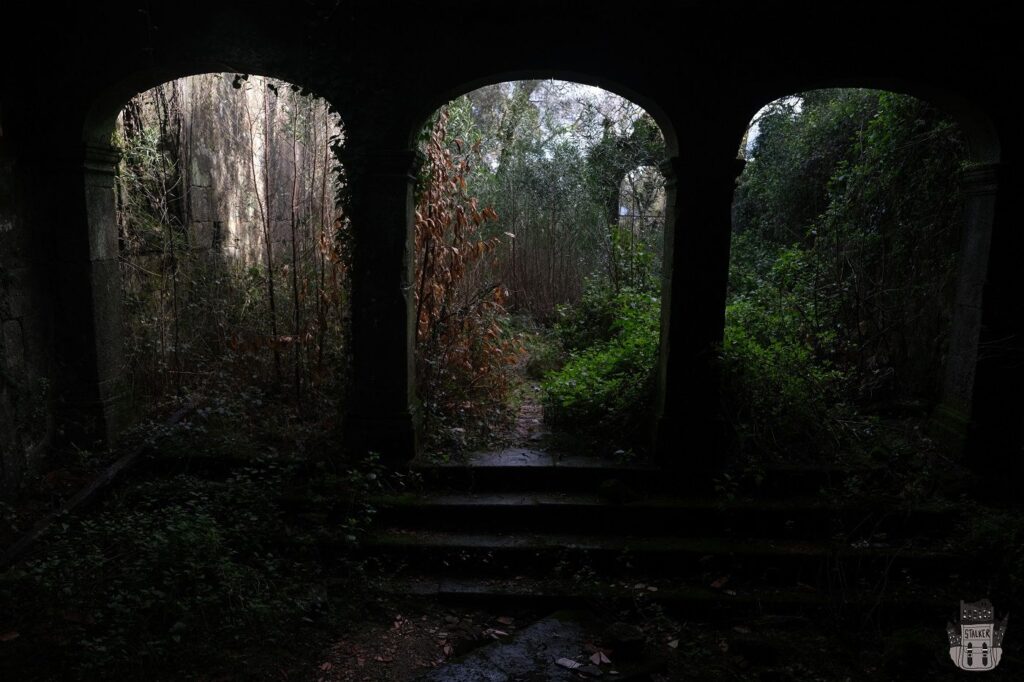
<point>607,382</point>
<point>780,383</point>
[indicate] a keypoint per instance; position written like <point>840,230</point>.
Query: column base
<point>697,446</point>
<point>394,438</point>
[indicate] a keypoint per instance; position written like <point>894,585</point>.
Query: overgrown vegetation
<point>606,384</point>
<point>843,269</point>
<point>232,248</point>
<point>463,348</point>
<point>210,558</point>
<point>568,245</point>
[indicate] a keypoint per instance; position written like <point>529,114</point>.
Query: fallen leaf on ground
<point>720,583</point>
<point>569,663</point>
<point>9,635</point>
<point>674,644</point>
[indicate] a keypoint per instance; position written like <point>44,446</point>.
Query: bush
<point>607,383</point>
<point>780,383</point>
<point>777,394</point>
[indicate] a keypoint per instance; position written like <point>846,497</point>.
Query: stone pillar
<point>994,434</point>
<point>979,184</point>
<point>87,327</point>
<point>690,432</point>
<point>381,414</point>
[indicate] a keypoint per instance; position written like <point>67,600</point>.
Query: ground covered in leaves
<point>403,642</point>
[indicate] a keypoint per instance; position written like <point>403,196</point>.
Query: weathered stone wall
<point>24,426</point>
<point>224,131</point>
<point>223,213</point>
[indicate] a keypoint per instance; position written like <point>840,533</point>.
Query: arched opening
<point>230,245</point>
<point>855,265</point>
<point>539,233</point>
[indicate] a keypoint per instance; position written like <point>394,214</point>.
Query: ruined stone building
<point>703,71</point>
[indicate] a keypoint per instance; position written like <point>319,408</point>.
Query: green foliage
<point>843,263</point>
<point>556,164</point>
<point>612,339</point>
<point>173,564</point>
<point>779,381</point>
<point>202,567</point>
<point>865,184</point>
<point>544,352</point>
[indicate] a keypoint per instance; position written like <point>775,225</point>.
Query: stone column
<point>690,429</point>
<point>381,414</point>
<point>994,434</point>
<point>979,184</point>
<point>88,358</point>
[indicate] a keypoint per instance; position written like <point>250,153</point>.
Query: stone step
<point>695,601</point>
<point>657,515</point>
<point>526,469</point>
<point>775,561</point>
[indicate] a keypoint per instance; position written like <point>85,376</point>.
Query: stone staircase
<point>525,526</point>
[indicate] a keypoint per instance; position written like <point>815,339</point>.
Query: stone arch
<point>983,143</point>
<point>104,108</point>
<point>440,97</point>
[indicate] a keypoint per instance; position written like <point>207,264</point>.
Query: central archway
<point>573,231</point>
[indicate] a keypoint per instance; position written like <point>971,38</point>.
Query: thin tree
<point>297,318</point>
<point>264,208</point>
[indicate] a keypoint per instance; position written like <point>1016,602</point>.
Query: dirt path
<point>530,428</point>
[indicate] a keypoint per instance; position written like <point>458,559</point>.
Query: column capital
<point>674,167</point>
<point>670,169</point>
<point>93,159</point>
